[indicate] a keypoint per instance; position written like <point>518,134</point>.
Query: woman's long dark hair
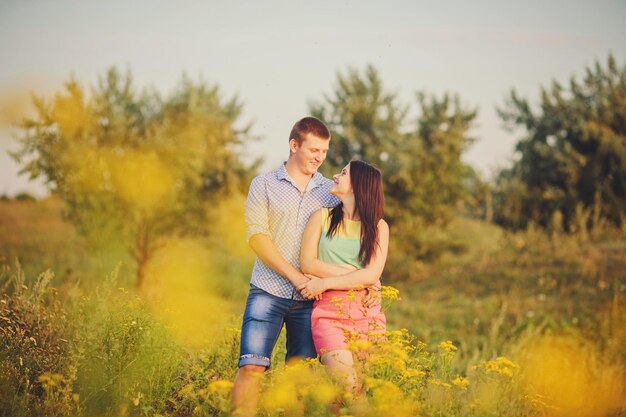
<point>367,184</point>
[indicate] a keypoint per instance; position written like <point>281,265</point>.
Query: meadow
<point>528,323</point>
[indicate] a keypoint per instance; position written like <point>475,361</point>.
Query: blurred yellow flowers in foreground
<point>567,376</point>
<point>184,295</point>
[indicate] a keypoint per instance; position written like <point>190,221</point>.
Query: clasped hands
<point>313,288</point>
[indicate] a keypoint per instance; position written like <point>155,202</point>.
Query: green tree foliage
<point>443,127</point>
<point>572,163</point>
<point>132,167</point>
<point>420,157</point>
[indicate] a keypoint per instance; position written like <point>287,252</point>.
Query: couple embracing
<point>315,239</point>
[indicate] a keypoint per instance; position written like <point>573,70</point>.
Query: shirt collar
<point>282,174</point>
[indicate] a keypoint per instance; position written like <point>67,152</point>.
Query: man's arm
<point>266,250</point>
<point>259,236</point>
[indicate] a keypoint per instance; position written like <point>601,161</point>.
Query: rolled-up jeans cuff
<point>251,359</point>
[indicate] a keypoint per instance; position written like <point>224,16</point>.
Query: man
<point>278,208</point>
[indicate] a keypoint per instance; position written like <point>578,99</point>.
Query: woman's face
<point>342,185</point>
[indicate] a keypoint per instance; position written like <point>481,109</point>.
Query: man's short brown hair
<point>309,125</point>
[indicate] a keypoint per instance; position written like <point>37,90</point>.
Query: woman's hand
<point>313,288</point>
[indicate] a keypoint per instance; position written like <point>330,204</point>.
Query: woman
<point>346,248</point>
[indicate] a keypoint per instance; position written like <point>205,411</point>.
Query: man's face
<point>310,154</point>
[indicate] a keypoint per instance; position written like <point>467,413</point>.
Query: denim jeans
<point>262,322</point>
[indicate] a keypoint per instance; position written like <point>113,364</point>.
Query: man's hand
<point>373,296</point>
<point>299,280</point>
<point>312,288</point>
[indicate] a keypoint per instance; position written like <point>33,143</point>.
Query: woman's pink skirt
<point>340,318</point>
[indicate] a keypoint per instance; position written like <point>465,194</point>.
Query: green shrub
<point>36,372</point>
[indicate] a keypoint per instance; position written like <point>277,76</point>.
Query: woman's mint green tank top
<point>344,246</point>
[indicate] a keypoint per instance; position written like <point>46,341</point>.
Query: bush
<point>36,374</point>
<point>100,355</point>
<point>24,196</point>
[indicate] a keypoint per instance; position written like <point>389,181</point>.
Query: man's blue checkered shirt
<point>275,207</point>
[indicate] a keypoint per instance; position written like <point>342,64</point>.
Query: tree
<point>440,174</point>
<point>423,169</point>
<point>573,156</point>
<point>366,122</point>
<point>421,159</point>
<point>134,167</point>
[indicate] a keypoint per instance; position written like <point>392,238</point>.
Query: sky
<point>279,56</point>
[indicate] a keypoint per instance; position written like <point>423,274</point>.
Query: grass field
<point>516,324</point>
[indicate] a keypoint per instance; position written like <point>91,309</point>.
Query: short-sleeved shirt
<point>275,207</point>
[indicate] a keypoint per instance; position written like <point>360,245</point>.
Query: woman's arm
<point>365,277</point>
<point>309,262</point>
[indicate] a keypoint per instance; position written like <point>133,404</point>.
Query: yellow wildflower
<point>137,398</point>
<point>440,383</point>
<point>322,392</point>
<point>447,346</point>
<point>460,382</point>
<point>360,346</point>
<point>220,386</point>
<point>410,373</point>
<point>501,366</point>
<point>388,399</point>
<point>390,293</point>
